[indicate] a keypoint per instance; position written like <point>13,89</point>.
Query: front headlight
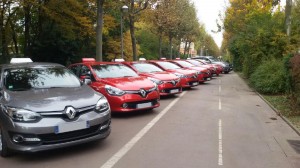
<point>156,81</point>
<point>180,75</point>
<point>22,115</point>
<point>102,105</point>
<point>114,91</point>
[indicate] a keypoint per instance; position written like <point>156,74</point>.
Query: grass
<point>283,104</point>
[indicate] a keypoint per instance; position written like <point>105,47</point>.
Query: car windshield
<point>113,71</point>
<point>19,79</point>
<point>213,59</point>
<point>185,64</point>
<point>168,65</point>
<point>148,68</point>
<point>197,63</point>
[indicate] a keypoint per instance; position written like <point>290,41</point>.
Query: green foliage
<point>295,72</point>
<point>269,77</point>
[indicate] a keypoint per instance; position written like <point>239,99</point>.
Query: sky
<point>208,12</point>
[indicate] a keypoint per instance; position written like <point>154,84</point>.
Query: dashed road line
<point>220,160</point>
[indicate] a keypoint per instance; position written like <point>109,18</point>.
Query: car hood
<point>160,75</point>
<point>182,71</point>
<point>129,83</point>
<point>53,99</point>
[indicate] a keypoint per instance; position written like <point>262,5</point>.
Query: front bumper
<point>44,135</point>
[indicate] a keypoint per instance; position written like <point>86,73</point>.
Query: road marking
<point>117,156</point>
<point>220,161</point>
<point>220,89</point>
<point>220,104</point>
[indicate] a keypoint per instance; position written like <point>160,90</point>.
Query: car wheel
<point>4,150</point>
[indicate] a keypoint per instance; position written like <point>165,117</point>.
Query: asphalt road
<point>222,123</point>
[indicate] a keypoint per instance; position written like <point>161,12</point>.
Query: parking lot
<point>221,123</point>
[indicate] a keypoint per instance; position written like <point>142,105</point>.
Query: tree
<point>99,29</point>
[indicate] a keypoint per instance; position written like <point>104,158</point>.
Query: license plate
<point>174,91</point>
<point>72,126</point>
<point>144,105</point>
<point>195,83</point>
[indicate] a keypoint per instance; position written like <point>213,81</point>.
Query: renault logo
<point>70,112</point>
<point>143,92</point>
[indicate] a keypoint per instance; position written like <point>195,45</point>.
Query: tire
<point>4,150</point>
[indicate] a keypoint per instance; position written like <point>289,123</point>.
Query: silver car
<point>45,106</point>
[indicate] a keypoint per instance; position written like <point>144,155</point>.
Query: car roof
<point>31,64</point>
<point>103,63</point>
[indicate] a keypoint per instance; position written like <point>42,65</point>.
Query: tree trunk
<point>189,50</point>
<point>4,56</point>
<point>132,33</point>
<point>288,16</point>
<point>99,28</point>
<point>27,40</point>
<point>160,46</point>
<point>171,47</point>
<point>185,48</point>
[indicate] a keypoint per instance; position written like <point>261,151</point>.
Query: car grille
<point>133,105</point>
<point>48,139</point>
<point>61,114</point>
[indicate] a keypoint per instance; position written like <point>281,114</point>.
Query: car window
<point>148,68</point>
<point>168,65</point>
<point>195,62</point>
<point>113,71</point>
<point>185,64</point>
<point>85,70</point>
<point>18,79</point>
<point>75,69</point>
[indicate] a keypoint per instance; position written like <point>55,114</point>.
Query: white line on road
<point>117,156</point>
<point>220,104</point>
<point>220,161</point>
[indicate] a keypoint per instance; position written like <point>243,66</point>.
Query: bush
<point>269,77</point>
<point>295,71</point>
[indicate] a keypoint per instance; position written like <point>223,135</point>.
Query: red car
<point>214,70</point>
<point>124,89</point>
<point>205,73</point>
<point>188,78</point>
<point>168,83</point>
<point>218,67</point>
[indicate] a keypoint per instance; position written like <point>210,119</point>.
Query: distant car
<point>213,60</point>
<point>168,83</point>
<point>215,70</point>
<point>188,78</point>
<point>124,89</point>
<point>45,106</point>
<point>204,74</point>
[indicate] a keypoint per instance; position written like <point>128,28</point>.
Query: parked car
<point>213,69</point>
<point>168,83</point>
<point>125,90</point>
<point>204,73</point>
<point>213,60</point>
<point>188,78</point>
<point>45,106</point>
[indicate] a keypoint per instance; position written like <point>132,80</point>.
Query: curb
<point>279,114</point>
